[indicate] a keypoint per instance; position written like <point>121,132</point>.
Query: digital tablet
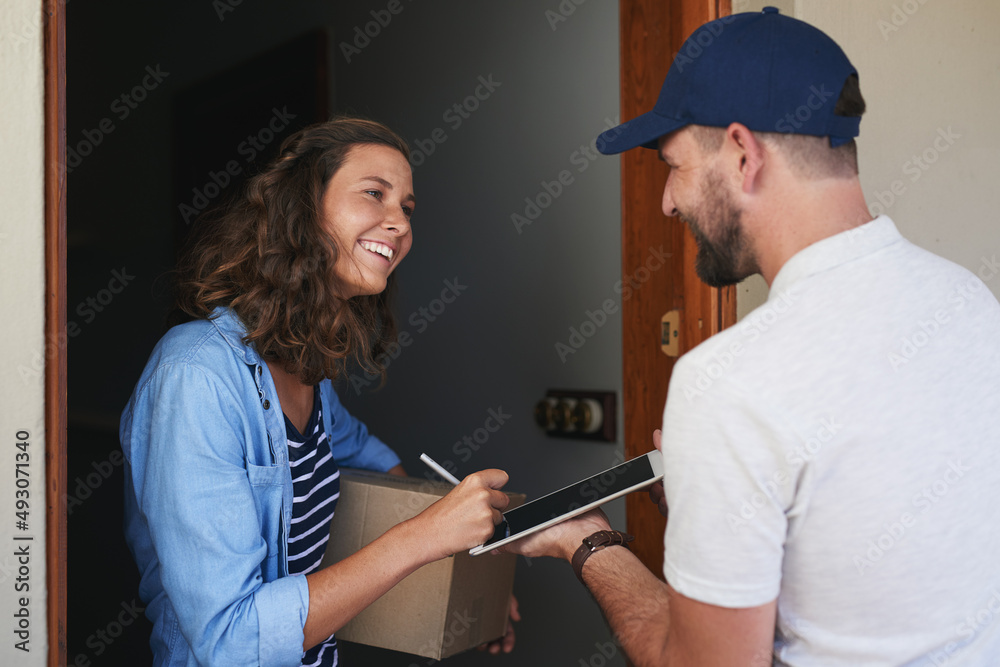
<point>575,499</point>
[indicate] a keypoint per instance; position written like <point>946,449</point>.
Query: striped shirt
<point>315,490</point>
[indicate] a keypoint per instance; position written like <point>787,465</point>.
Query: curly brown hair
<point>267,257</point>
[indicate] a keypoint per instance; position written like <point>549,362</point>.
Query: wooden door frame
<point>652,32</point>
<point>54,22</point>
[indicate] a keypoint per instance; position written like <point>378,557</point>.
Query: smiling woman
<point>308,294</point>
<point>233,435</point>
<point>367,209</point>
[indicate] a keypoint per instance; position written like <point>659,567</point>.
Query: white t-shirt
<point>839,450</point>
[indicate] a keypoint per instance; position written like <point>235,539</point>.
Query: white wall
<point>787,7</point>
<point>22,256</point>
<point>929,73</point>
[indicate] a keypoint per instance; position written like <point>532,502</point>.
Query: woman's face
<point>366,208</point>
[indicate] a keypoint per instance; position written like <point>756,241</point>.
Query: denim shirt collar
<point>233,330</point>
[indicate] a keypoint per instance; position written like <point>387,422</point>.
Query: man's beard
<point>725,259</point>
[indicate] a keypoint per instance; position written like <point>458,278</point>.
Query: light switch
<point>670,333</point>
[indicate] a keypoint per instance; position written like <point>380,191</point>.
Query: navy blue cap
<point>770,72</point>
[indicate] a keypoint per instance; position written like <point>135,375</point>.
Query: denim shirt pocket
<point>268,484</point>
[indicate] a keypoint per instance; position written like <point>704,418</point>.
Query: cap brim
<point>644,130</point>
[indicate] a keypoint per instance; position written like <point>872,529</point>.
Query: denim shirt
<point>208,498</point>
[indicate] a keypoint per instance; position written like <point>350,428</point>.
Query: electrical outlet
<point>585,415</point>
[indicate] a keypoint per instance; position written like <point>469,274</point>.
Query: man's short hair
<point>811,157</point>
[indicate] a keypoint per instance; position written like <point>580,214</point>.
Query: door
<point>652,31</point>
<point>54,29</point>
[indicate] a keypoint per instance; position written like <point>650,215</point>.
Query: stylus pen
<point>433,465</point>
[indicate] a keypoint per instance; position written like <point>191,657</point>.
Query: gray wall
<point>492,348</point>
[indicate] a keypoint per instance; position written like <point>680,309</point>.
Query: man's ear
<point>749,153</point>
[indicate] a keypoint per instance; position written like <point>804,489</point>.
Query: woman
<point>233,434</point>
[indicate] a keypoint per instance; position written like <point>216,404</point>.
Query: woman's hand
<point>466,517</point>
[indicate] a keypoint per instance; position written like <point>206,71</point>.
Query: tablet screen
<point>637,472</point>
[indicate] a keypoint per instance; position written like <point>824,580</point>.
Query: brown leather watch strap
<point>596,542</point>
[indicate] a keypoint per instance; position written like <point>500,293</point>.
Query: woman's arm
<point>197,511</point>
<point>461,520</point>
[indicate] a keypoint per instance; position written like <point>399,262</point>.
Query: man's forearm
<point>634,601</point>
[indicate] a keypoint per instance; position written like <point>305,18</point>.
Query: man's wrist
<point>595,542</point>
<point>580,531</point>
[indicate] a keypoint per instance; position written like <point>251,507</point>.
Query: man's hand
<point>505,643</point>
<point>656,491</point>
<point>560,540</point>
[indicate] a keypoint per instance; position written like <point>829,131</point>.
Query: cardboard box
<point>441,609</point>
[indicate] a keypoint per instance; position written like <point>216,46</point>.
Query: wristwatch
<point>596,542</point>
